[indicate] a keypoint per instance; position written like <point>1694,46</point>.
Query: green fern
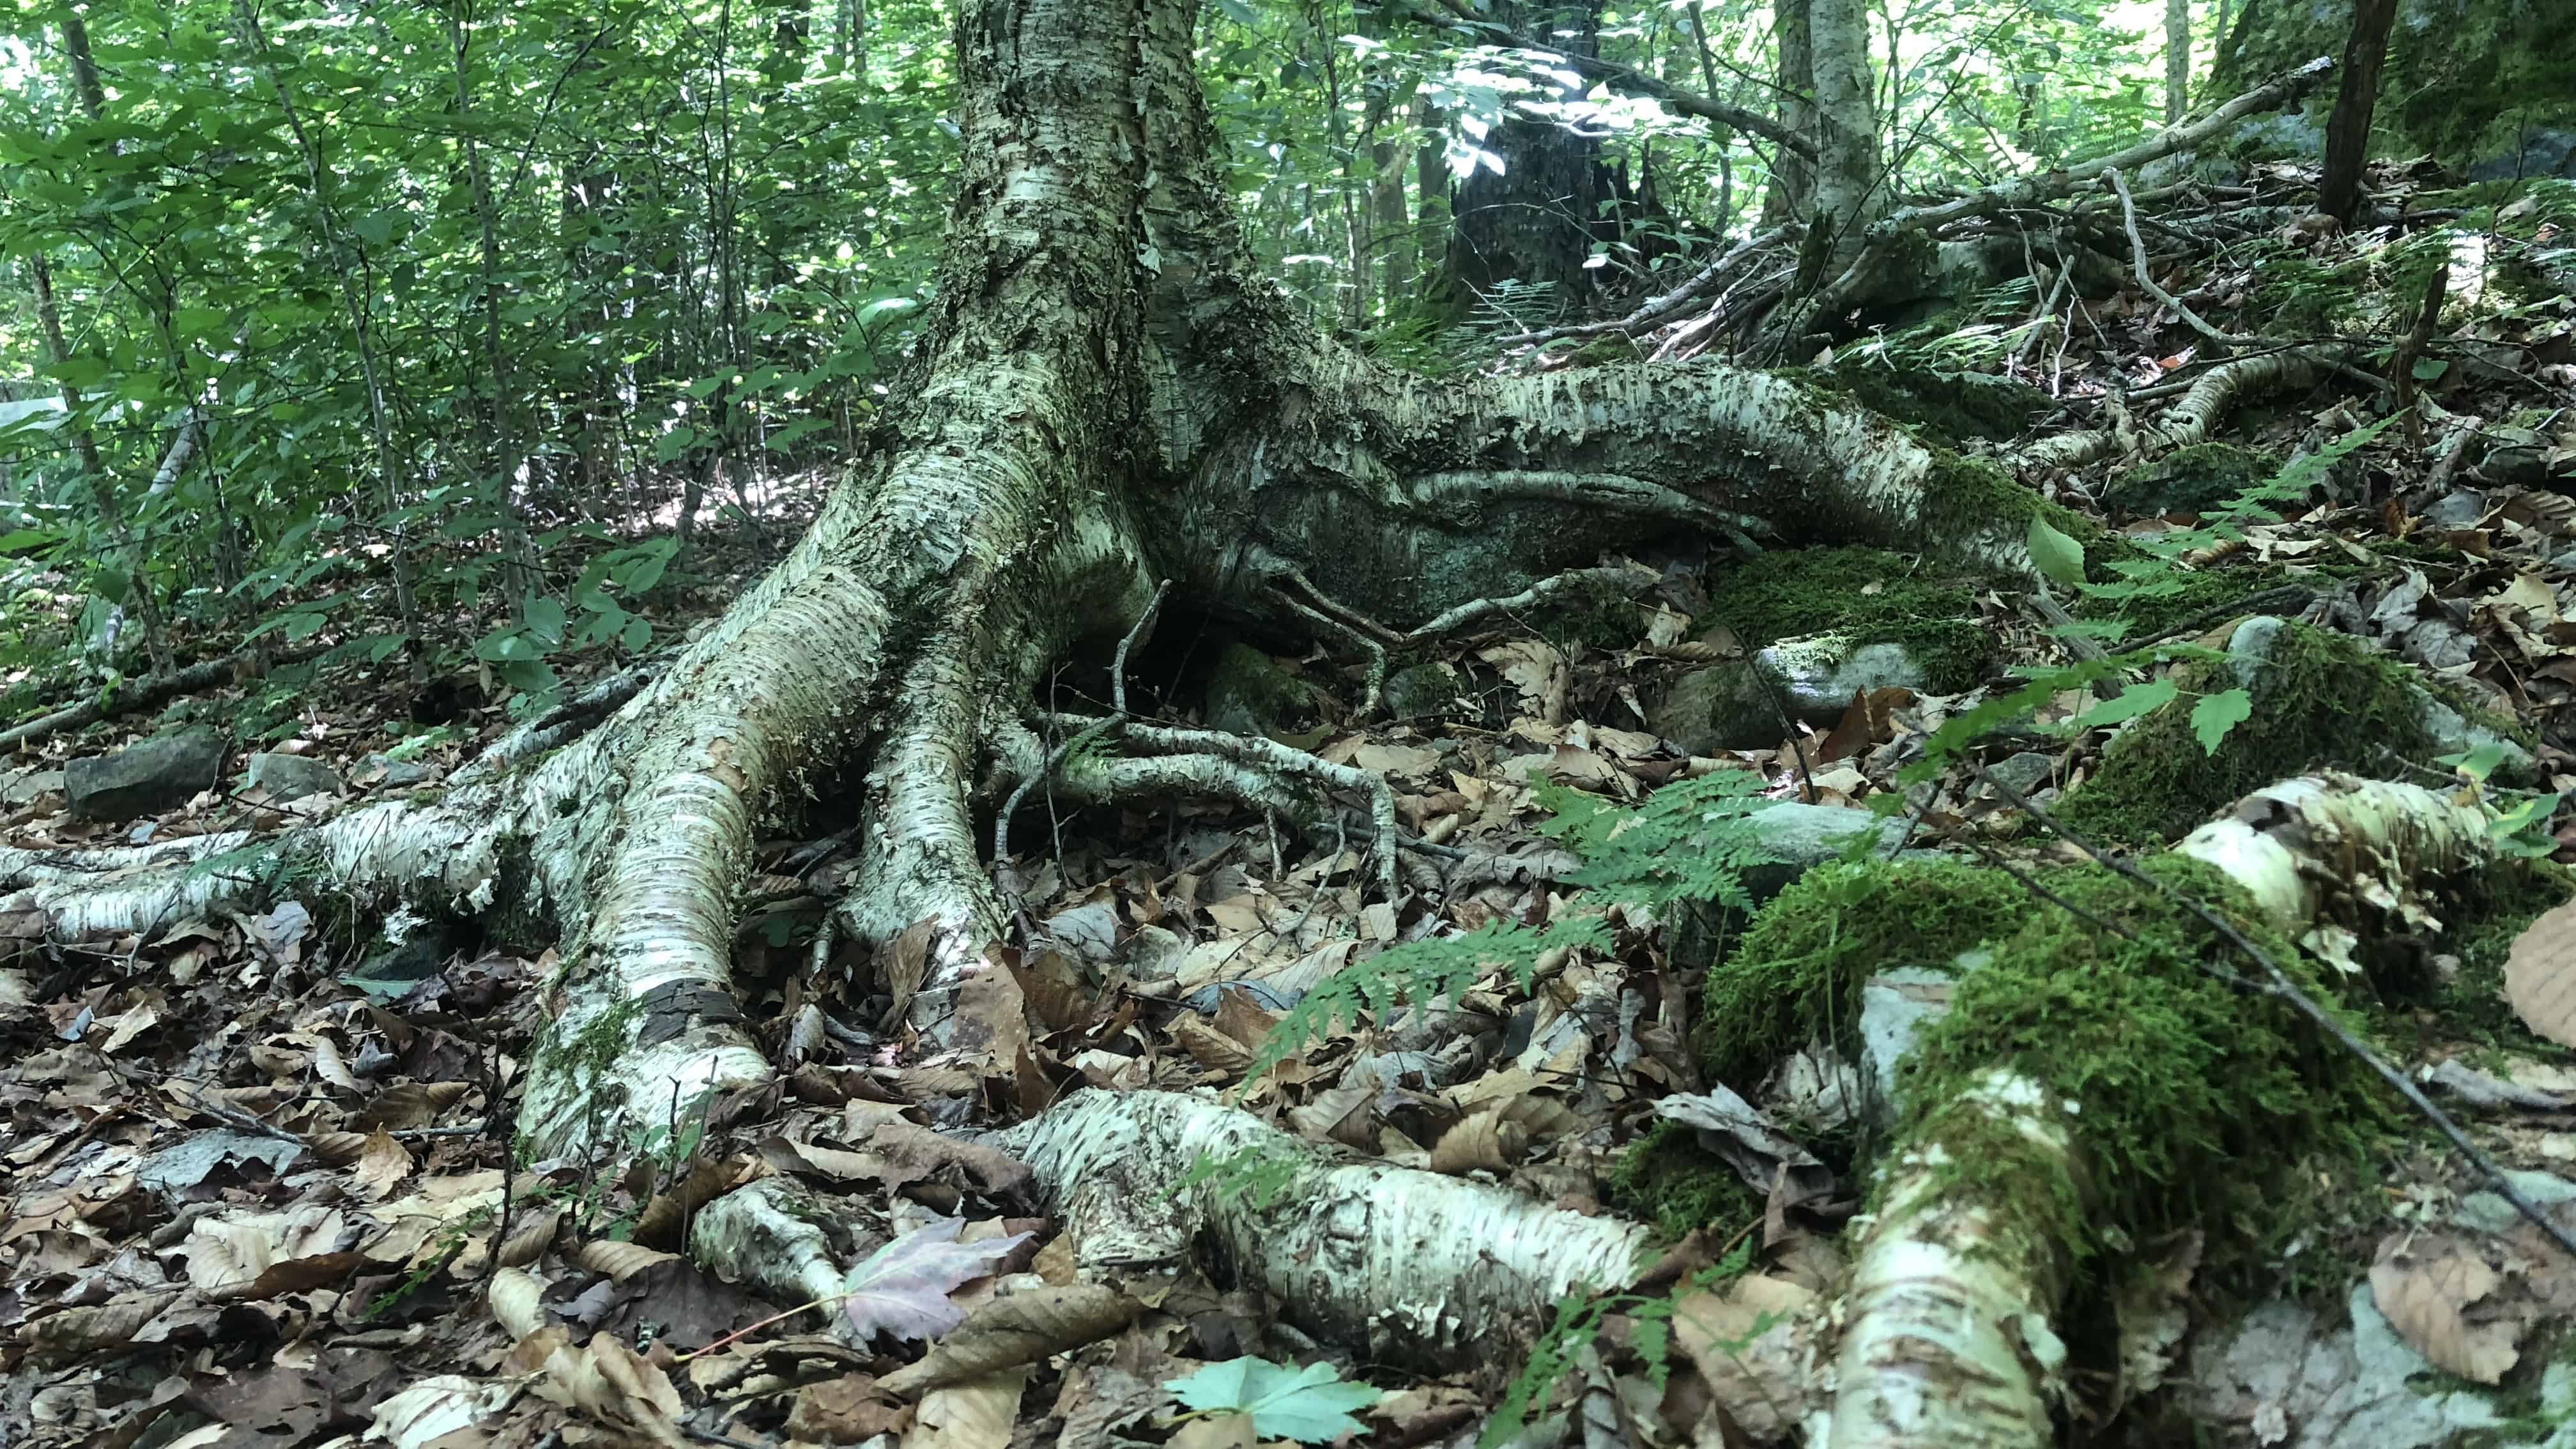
<point>1690,842</point>
<point>1577,1324</point>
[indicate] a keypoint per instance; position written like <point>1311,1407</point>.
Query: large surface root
<point>1417,1267</point>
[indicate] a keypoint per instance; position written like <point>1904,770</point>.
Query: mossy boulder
<point>1859,596</point>
<point>1666,1178</point>
<point>1250,693</point>
<point>2189,480</point>
<point>2318,699</point>
<point>1740,704</point>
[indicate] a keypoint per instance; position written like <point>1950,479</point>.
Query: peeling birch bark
<point>1414,1266</point>
<point>1947,1338</point>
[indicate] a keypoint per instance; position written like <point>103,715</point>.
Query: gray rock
<point>1721,707</point>
<point>2457,509</point>
<point>23,787</point>
<point>291,777</point>
<point>399,774</point>
<point>2306,1383</point>
<point>1249,694</point>
<point>2249,652</point>
<point>1819,676</point>
<point>2024,772</point>
<point>1728,706</point>
<point>157,774</point>
<point>1424,691</point>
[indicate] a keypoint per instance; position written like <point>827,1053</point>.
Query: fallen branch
<point>1655,311</point>
<point>151,690</point>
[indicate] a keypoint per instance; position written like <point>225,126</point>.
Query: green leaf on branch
<point>2134,701</point>
<point>1311,1405</point>
<point>2216,714</point>
<point>2058,558</point>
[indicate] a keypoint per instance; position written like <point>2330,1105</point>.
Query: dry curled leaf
<point>1021,1329</point>
<point>902,1289</point>
<point>2540,975</point>
<point>514,1296</point>
<point>413,1104</point>
<point>621,1261</point>
<point>58,1337</point>
<point>2441,1295</point>
<point>529,1237</point>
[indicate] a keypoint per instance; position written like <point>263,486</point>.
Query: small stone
<point>1895,1007</point>
<point>157,774</point>
<point>1250,694</point>
<point>1818,677</point>
<point>23,787</point>
<point>2457,509</point>
<point>2024,772</point>
<point>1721,707</point>
<point>291,777</point>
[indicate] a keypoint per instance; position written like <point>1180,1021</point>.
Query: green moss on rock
<point>2319,699</point>
<point>1865,595</point>
<point>1796,973</point>
<point>2193,479</point>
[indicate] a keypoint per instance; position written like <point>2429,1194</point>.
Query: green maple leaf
<point>1311,1405</point>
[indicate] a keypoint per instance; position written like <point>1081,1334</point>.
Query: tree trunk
<point>1537,220</point>
<point>1848,190</point>
<point>2177,60</point>
<point>2348,128</point>
<point>1792,195</point>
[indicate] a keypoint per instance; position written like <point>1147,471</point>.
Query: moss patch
<point>1866,595</point>
<point>2189,1096</point>
<point>1664,1178</point>
<point>2189,480</point>
<point>1795,975</point>
<point>2321,699</point>
<point>1951,407</point>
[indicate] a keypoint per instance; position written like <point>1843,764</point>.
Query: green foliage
<point>1795,975</point>
<point>1665,1178</point>
<point>1576,1323</point>
<point>1312,1405</point>
<point>1688,844</point>
<point>1248,1175</point>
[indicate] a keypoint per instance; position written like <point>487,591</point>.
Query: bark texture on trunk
<point>1536,221</point>
<point>2348,127</point>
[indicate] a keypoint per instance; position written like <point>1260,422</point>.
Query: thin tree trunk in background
<point>361,323</point>
<point>2348,128</point>
<point>2218,34</point>
<point>1431,190</point>
<point>519,556</point>
<point>1847,190</point>
<point>49,318</point>
<point>102,489</point>
<point>1792,179</point>
<point>1723,140</point>
<point>2177,60</point>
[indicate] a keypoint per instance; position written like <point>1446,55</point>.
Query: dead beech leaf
<point>978,1414</point>
<point>1744,1339</point>
<point>1482,1141</point>
<point>621,1261</point>
<point>59,1337</point>
<point>413,1104</point>
<point>2440,1295</point>
<point>529,1237</point>
<point>328,1065</point>
<point>1024,1328</point>
<point>436,1407</point>
<point>606,1380</point>
<point>1210,1047</point>
<point>339,1148</point>
<point>1215,1431</point>
<point>381,1166</point>
<point>2540,975</point>
<point>851,1409</point>
<point>514,1296</point>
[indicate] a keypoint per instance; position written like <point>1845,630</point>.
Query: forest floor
<point>259,1187</point>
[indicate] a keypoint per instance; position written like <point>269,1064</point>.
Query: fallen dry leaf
<point>2540,975</point>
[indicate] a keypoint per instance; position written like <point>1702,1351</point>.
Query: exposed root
<point>1264,763</point>
<point>1414,1266</point>
<point>2217,393</point>
<point>1947,1338</point>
